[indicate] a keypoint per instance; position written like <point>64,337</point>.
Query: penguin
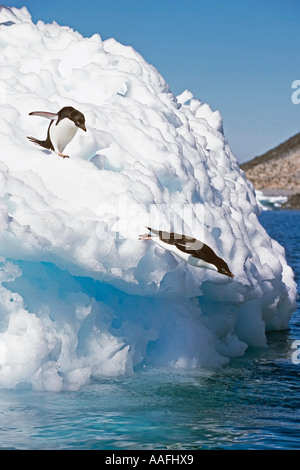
<point>61,130</point>
<point>189,249</point>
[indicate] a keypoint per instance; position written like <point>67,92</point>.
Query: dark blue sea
<point>253,403</point>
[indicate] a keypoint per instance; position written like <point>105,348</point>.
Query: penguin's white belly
<point>200,263</point>
<point>62,133</point>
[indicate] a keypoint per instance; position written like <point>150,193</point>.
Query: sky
<point>239,56</point>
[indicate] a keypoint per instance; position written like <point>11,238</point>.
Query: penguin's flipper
<point>44,114</point>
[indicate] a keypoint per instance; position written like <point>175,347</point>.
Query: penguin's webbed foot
<point>145,236</point>
<point>63,155</point>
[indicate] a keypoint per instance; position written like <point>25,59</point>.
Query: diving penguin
<point>189,249</point>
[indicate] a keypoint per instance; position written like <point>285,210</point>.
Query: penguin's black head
<point>78,119</point>
<point>223,268</point>
<point>74,115</point>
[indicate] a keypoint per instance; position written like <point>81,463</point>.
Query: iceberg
<point>267,203</point>
<point>81,296</point>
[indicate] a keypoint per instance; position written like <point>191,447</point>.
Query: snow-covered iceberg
<point>80,295</point>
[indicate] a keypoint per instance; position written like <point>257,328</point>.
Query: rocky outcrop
<point>293,202</point>
<point>277,172</point>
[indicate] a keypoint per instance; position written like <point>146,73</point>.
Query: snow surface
<point>81,296</point>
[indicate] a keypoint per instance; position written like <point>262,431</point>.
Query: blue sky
<point>239,56</point>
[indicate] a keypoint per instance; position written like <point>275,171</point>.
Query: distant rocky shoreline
<point>293,202</point>
<point>277,172</point>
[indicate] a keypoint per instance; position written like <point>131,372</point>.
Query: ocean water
<point>253,403</point>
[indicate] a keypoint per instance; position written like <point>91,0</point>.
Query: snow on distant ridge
<point>80,295</point>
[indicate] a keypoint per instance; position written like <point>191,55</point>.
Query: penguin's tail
<point>42,143</point>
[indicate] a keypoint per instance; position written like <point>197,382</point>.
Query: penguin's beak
<point>229,273</point>
<point>226,272</point>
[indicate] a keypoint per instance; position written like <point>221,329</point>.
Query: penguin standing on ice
<point>189,249</point>
<point>61,130</point>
